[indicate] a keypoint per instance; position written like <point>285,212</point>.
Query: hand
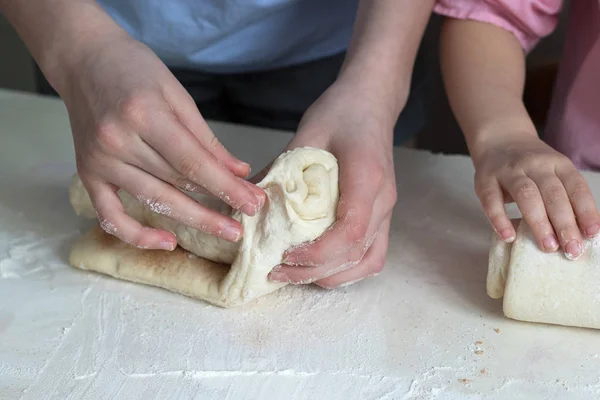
<point>552,195</point>
<point>136,128</point>
<point>356,130</point>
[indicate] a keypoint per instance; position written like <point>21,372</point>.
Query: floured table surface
<point>423,329</point>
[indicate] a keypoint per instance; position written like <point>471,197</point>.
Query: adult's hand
<point>357,130</point>
<point>136,128</point>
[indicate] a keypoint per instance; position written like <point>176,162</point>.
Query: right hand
<point>551,193</point>
<point>136,128</point>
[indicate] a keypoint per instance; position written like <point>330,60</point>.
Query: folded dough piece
<point>302,191</point>
<point>545,287</point>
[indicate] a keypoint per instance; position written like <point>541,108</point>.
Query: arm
<point>483,67</point>
<point>354,119</point>
<point>381,55</point>
<point>134,126</point>
<point>484,71</point>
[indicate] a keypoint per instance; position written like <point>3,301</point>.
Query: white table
<point>423,329</point>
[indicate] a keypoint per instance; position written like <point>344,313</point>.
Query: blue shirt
<point>228,36</point>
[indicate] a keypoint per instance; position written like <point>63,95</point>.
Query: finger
<point>115,221</point>
<point>581,199</point>
<point>183,151</point>
<point>560,213</point>
<point>492,199</point>
<point>147,159</point>
<point>188,114</point>
<point>372,263</point>
<point>163,199</point>
<point>529,200</point>
<point>301,274</point>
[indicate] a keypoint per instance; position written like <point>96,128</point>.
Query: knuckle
<point>390,195</point>
<point>488,197</point>
<point>133,109</point>
<point>540,225</point>
<point>525,160</point>
<point>357,231</point>
<point>213,143</point>
<point>552,194</point>
<point>109,137</point>
<point>375,172</point>
<point>525,189</point>
<point>190,167</point>
<point>579,189</point>
<point>377,265</point>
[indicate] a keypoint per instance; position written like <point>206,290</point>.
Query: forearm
<point>484,73</point>
<point>54,30</point>
<point>386,38</point>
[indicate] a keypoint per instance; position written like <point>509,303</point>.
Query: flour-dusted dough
<point>302,190</point>
<point>545,287</point>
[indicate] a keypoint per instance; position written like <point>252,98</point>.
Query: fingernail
<point>507,235</point>
<point>278,276</point>
<point>592,230</point>
<point>166,245</point>
<point>573,250</point>
<point>550,243</point>
<point>231,233</point>
<point>249,209</point>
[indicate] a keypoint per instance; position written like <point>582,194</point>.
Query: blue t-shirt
<point>228,36</point>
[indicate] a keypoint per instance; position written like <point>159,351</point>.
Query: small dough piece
<point>545,287</point>
<point>302,191</point>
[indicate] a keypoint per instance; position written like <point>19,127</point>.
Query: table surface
<point>423,329</point>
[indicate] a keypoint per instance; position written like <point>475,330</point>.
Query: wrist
<point>375,94</point>
<point>381,77</point>
<point>489,140</point>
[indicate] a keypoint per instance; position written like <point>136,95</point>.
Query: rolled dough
<point>302,192</point>
<point>545,287</point>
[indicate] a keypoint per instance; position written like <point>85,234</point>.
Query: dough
<point>302,191</point>
<point>545,287</point>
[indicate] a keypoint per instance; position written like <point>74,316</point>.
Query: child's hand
<point>552,195</point>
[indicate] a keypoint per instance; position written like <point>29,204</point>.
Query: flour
<point>30,254</point>
<point>155,206</point>
<point>409,333</point>
<point>107,226</point>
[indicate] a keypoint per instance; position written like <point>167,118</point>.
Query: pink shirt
<point>573,125</point>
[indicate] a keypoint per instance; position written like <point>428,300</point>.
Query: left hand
<point>358,130</point>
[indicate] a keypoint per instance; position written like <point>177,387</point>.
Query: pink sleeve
<point>528,20</point>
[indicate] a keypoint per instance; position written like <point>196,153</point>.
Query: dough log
<point>545,287</point>
<point>302,191</point>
